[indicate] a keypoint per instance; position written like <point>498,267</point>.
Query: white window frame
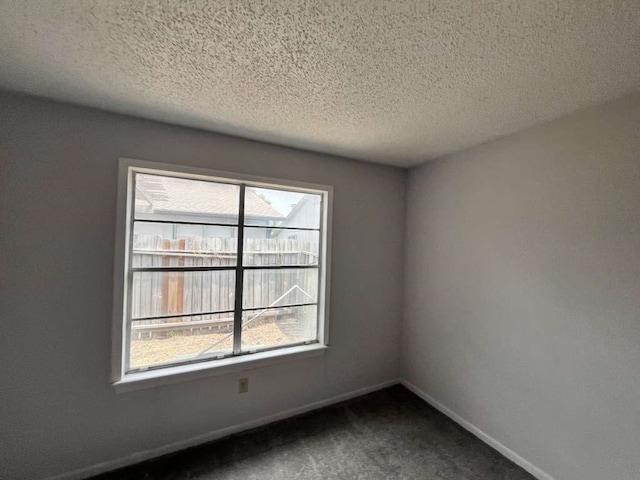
<point>124,381</point>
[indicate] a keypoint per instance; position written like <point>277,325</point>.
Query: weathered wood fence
<point>199,292</point>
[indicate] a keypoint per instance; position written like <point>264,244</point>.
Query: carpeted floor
<point>389,434</point>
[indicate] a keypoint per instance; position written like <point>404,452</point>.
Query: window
<point>216,270</point>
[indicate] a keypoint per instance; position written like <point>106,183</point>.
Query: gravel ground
<point>160,350</point>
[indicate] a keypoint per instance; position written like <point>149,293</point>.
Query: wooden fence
<point>175,293</point>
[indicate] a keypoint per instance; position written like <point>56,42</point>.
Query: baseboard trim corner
<point>97,469</point>
<point>489,440</point>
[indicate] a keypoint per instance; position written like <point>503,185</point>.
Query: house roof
<point>158,194</point>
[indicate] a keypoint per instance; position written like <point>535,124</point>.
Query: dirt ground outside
<point>147,352</point>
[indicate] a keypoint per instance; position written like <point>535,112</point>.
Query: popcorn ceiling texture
<point>393,82</point>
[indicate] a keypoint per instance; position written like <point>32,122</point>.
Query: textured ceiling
<point>396,82</point>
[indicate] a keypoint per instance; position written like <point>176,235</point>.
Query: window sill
<point>182,373</point>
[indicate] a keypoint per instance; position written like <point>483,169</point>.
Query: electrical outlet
<point>243,385</point>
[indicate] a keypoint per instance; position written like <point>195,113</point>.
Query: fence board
<point>159,293</point>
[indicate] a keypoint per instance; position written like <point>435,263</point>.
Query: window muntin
<point>184,281</point>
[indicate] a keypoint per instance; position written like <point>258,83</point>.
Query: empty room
<point>279,240</point>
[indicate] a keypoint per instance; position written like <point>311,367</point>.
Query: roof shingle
<point>155,193</point>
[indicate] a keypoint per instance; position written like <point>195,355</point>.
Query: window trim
<point>122,258</point>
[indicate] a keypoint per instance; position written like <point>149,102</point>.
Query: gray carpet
<point>389,434</point>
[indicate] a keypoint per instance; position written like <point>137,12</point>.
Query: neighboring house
<point>305,214</point>
<point>168,199</point>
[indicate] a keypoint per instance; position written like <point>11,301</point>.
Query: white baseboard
<point>492,442</point>
<point>83,473</point>
<point>142,456</point>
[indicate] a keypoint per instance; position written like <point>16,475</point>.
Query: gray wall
<point>523,290</point>
<point>57,212</point>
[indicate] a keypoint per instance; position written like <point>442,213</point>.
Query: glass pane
<point>278,326</point>
<point>185,200</point>
<point>270,288</point>
<point>272,246</point>
<point>281,208</point>
<point>176,245</point>
<point>155,342</point>
<point>175,293</point>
